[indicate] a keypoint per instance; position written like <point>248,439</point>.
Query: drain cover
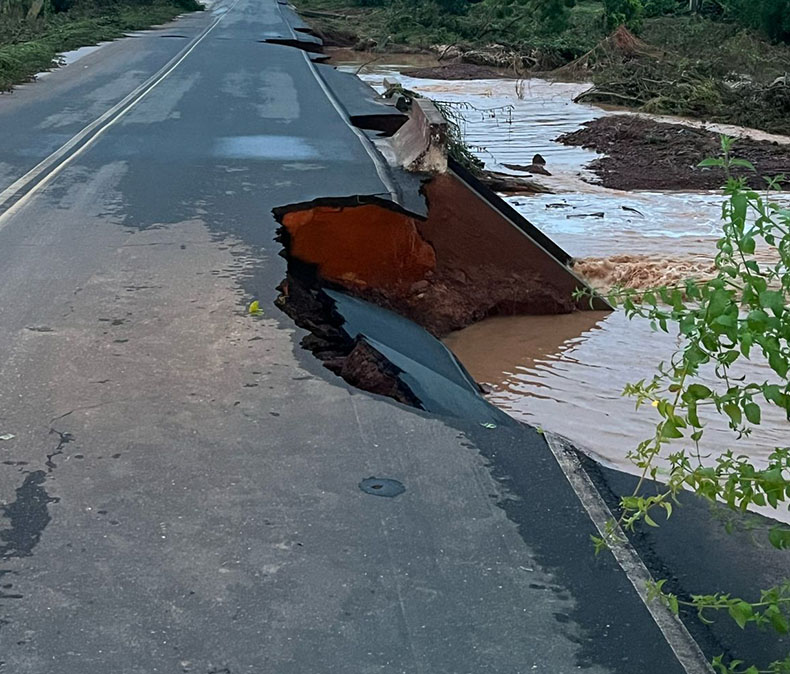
<point>382,486</point>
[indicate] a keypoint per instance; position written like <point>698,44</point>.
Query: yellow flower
<point>654,403</point>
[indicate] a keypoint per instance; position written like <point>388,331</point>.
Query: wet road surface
<point>179,480</point>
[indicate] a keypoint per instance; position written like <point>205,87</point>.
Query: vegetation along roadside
<point>34,32</point>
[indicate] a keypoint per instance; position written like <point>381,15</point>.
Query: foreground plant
<point>743,312</point>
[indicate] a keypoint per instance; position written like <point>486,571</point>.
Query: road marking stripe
<point>685,648</point>
<point>97,127</point>
<point>373,153</point>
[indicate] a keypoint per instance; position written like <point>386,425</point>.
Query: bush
<point>663,7</point>
<point>623,12</point>
<point>554,14</point>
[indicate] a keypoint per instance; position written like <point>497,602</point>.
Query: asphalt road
<point>181,491</point>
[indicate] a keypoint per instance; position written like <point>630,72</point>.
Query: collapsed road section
<point>209,514</point>
<point>466,256</point>
<point>469,257</point>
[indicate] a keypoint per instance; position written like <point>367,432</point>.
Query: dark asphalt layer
<point>696,554</point>
<point>181,491</point>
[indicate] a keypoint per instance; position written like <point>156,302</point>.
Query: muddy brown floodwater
<point>566,373</point>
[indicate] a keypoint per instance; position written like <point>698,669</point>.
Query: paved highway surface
<point>181,491</point>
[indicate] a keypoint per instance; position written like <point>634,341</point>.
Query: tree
<point>623,12</point>
<point>554,14</point>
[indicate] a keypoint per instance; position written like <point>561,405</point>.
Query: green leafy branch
<point>741,313</point>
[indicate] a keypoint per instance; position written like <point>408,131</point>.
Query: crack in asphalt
<point>65,439</point>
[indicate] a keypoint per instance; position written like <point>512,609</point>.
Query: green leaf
<point>734,413</point>
<point>779,623</point>
<point>752,411</point>
<point>698,392</point>
<point>672,602</point>
<point>779,537</point>
<point>711,162</point>
<point>757,320</point>
<point>741,612</point>
<point>778,363</point>
<point>773,394</point>
<point>719,301</point>
<point>739,205</point>
<point>773,300</point>
<point>696,356</point>
<point>747,340</point>
<point>743,163</point>
<point>670,430</point>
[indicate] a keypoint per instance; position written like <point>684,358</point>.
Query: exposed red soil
<point>461,264</point>
<point>338,241</point>
<point>642,154</point>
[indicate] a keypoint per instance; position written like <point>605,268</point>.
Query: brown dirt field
<point>643,154</point>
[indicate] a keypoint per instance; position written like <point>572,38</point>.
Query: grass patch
<point>421,25</point>
<point>29,46</point>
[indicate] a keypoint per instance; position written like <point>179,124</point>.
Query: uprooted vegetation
<point>750,90</point>
<point>33,33</point>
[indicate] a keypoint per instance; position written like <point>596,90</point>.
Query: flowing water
<point>566,373</point>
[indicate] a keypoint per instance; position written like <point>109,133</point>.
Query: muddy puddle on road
<point>566,373</point>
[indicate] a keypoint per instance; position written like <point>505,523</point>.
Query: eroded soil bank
<point>353,360</point>
<point>644,154</point>
<point>463,262</point>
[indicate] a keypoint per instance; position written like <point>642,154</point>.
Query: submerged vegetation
<point>33,33</point>
<point>725,60</point>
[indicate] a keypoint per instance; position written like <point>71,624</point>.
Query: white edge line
<point>373,153</point>
<point>683,645</point>
<point>121,108</point>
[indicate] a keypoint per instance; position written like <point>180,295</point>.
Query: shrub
<point>623,12</point>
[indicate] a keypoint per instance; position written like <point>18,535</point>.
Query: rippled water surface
<point>566,373</point>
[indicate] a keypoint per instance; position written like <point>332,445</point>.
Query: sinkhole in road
<point>305,45</point>
<point>415,279</point>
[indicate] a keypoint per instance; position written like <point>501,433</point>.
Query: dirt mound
<point>643,154</point>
